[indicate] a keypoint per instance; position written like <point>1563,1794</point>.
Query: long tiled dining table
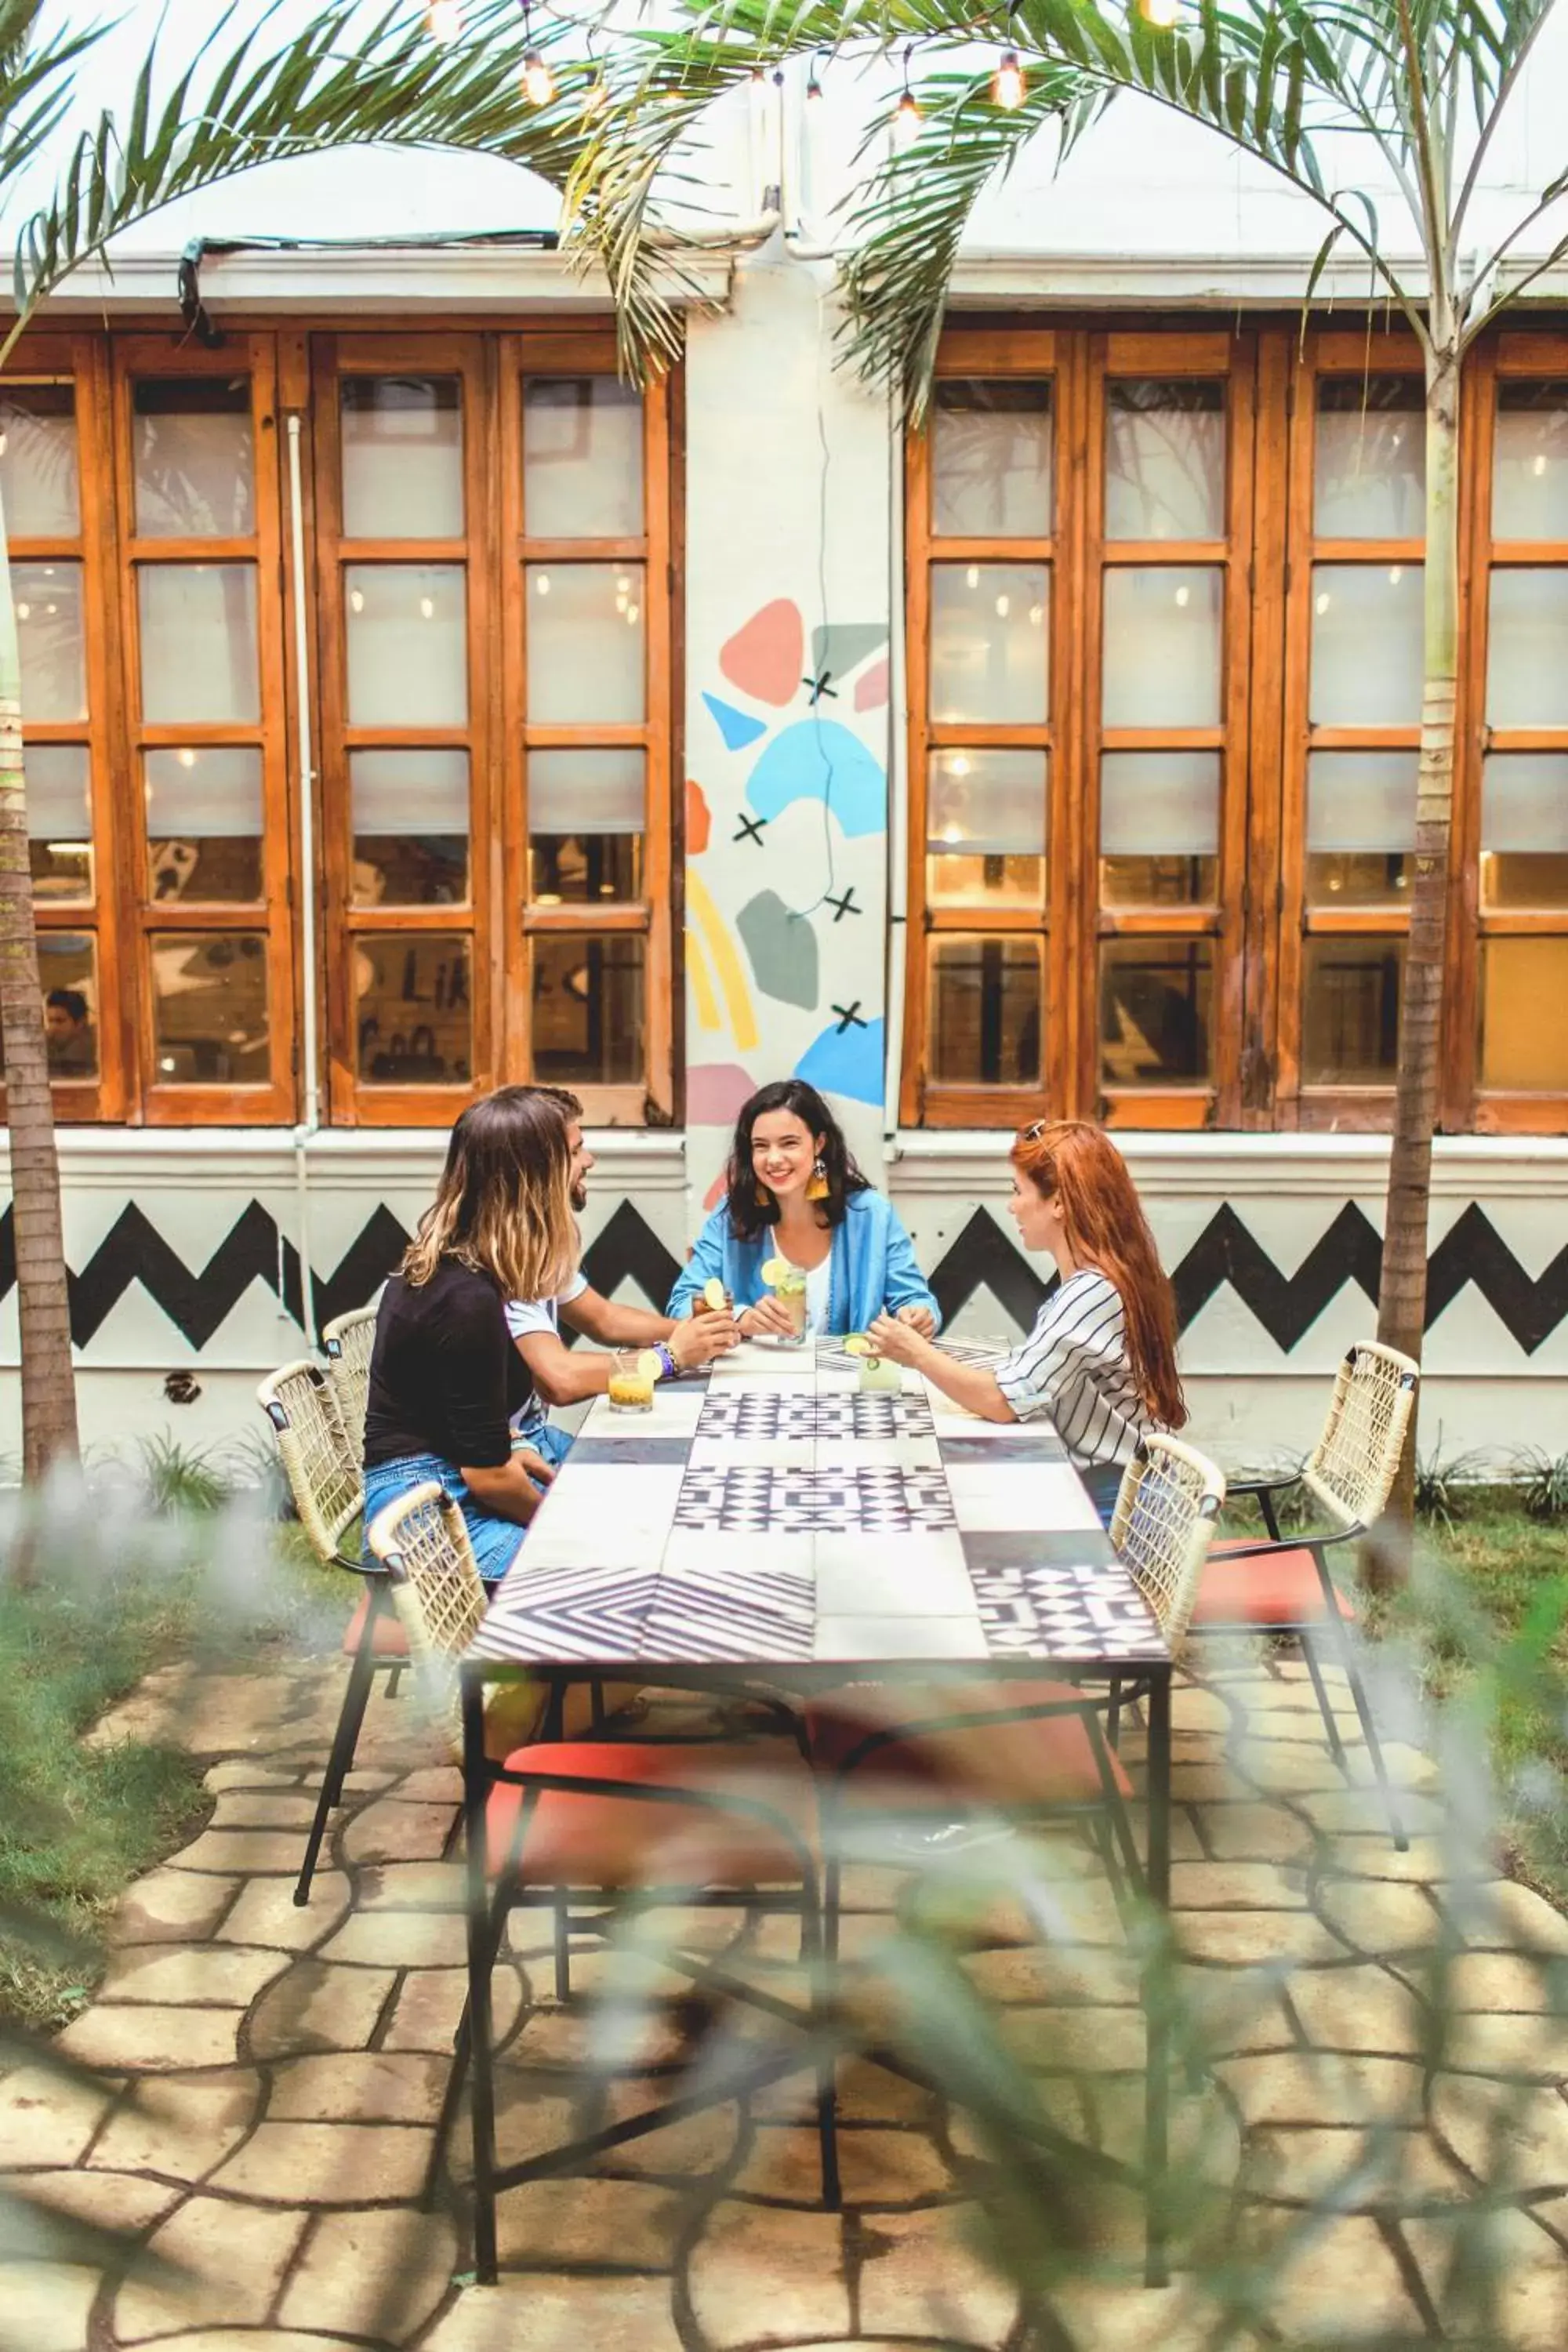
<point>776,1520</point>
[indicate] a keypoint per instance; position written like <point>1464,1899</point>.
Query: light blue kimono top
<point>873,1273</point>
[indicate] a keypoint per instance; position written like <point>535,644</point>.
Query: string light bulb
<point>907,115</point>
<point>1161,13</point>
<point>538,81</point>
<point>1008,87</point>
<point>444,21</point>
<point>813,85</point>
<point>597,95</point>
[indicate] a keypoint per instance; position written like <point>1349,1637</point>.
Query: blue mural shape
<point>845,1061</point>
<point>737,727</point>
<point>818,760</point>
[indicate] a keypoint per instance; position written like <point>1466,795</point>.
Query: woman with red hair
<point>1101,1358</point>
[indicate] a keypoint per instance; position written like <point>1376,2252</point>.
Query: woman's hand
<point>535,1464</point>
<point>768,1319</point>
<point>898,1340</point>
<point>703,1336</point>
<point>918,1319</point>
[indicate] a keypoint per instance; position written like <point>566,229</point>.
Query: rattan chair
<point>347,1344</point>
<point>1283,1586</point>
<point>328,1488</point>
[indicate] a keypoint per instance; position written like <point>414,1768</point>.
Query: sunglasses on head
<point>1030,1134</point>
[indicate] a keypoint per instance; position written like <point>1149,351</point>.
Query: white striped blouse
<point>1073,1365</point>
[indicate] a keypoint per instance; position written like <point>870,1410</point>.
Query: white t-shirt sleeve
<point>524,1315</point>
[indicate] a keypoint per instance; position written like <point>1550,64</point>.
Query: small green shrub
<point>1544,1483</point>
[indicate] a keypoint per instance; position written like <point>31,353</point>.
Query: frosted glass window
<point>581,458</point>
<point>402,456</point>
<point>38,461</point>
<point>587,812</point>
<point>986,814</point>
<point>1162,660</point>
<point>1524,1042</point>
<point>47,601</point>
<point>1367,645</point>
<point>1164,459</point>
<point>987,1008</point>
<point>990,459</point>
<point>204,823</point>
<point>211,1024</point>
<point>1156,1004</point>
<point>1361,827</point>
<point>198,643</point>
<point>589,1008</point>
<point>413,1009</point>
<point>1527,648</point>
<point>1524,828</point>
<point>1529,461</point>
<point>1159,828</point>
<point>410,827</point>
<point>67,974</point>
<point>1371,473</point>
<point>407,628</point>
<point>1349,1011</point>
<point>586,639</point>
<point>59,821</point>
<point>990,643</point>
<point>194,459</point>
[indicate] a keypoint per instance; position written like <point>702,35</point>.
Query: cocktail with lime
<point>787,1284</point>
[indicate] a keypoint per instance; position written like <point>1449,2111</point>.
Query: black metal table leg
<point>476,1793</point>
<point>1156,1985</point>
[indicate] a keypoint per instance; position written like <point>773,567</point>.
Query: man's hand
<point>896,1338</point>
<point>767,1318</point>
<point>703,1336</point>
<point>918,1319</point>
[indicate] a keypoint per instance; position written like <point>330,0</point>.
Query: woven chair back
<point>1351,1469</point>
<point>348,1342</point>
<point>423,1543</point>
<point>1163,1524</point>
<point>322,1468</point>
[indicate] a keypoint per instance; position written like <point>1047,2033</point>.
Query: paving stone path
<point>271,2078</point>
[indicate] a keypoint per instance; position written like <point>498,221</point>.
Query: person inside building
<point>68,1040</point>
<point>1100,1361</point>
<point>793,1194</point>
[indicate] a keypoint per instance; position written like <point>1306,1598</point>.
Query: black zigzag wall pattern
<point>197,1303</point>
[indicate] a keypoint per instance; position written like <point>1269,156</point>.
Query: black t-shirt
<point>444,1375</point>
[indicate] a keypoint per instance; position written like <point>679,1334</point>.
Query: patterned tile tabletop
<point>775,1515</point>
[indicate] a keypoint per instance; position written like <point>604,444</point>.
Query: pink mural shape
<point>871,691</point>
<point>766,658</point>
<point>715,1091</point>
<point>715,1192</point>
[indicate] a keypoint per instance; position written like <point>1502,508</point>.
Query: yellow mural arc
<point>726,962</point>
<point>701,983</point>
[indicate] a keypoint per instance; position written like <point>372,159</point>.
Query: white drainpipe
<point>310,1123</point>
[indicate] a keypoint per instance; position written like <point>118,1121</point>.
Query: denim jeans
<point>1104,1484</point>
<point>496,1541</point>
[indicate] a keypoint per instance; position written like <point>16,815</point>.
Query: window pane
<point>1524,828</point>
<point>1527,652</point>
<point>1164,460</point>
<point>410,827</point>
<point>68,972</point>
<point>990,643</point>
<point>210,1008</point>
<point>198,643</point>
<point>1370,478</point>
<point>1159,828</point>
<point>1162,659</point>
<point>1155,1001</point>
<point>1350,1012</point>
<point>588,1008</point>
<point>1367,644</point>
<point>407,645</point>
<point>194,460</point>
<point>986,814</point>
<point>1529,462</point>
<point>586,811</point>
<point>987,1002</point>
<point>1522,1046</point>
<point>585,643</point>
<point>413,1009</point>
<point>581,458</point>
<point>59,820</point>
<point>38,461</point>
<point>403,457</point>
<point>47,598</point>
<point>991,460</point>
<point>204,823</point>
<point>1361,827</point>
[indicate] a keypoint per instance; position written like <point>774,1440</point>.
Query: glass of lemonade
<point>879,1375</point>
<point>632,1378</point>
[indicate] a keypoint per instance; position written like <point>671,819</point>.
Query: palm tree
<point>344,82</point>
<point>1422,84</point>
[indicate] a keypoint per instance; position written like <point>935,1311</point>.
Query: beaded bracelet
<point>671,1369</point>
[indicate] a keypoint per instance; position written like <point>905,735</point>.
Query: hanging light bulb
<point>907,115</point>
<point>1161,13</point>
<point>538,81</point>
<point>814,86</point>
<point>597,95</point>
<point>1008,87</point>
<point>444,21</point>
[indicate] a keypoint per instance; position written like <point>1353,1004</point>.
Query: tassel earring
<point>817,1187</point>
<point>763,1196</point>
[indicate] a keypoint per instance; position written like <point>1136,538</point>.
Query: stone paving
<point>271,2076</point>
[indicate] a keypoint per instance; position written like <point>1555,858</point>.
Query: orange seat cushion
<point>595,1840</point>
<point>390,1640</point>
<point>1043,1759</point>
<point>1273,1587</point>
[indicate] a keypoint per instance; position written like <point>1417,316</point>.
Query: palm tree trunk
<point>1402,1294</point>
<point>49,1389</point>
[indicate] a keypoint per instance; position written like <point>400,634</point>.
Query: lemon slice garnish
<point>650,1364</point>
<point>857,1344</point>
<point>774,1271</point>
<point>713,1293</point>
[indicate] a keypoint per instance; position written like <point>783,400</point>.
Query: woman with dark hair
<point>1101,1358</point>
<point>794,1193</point>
